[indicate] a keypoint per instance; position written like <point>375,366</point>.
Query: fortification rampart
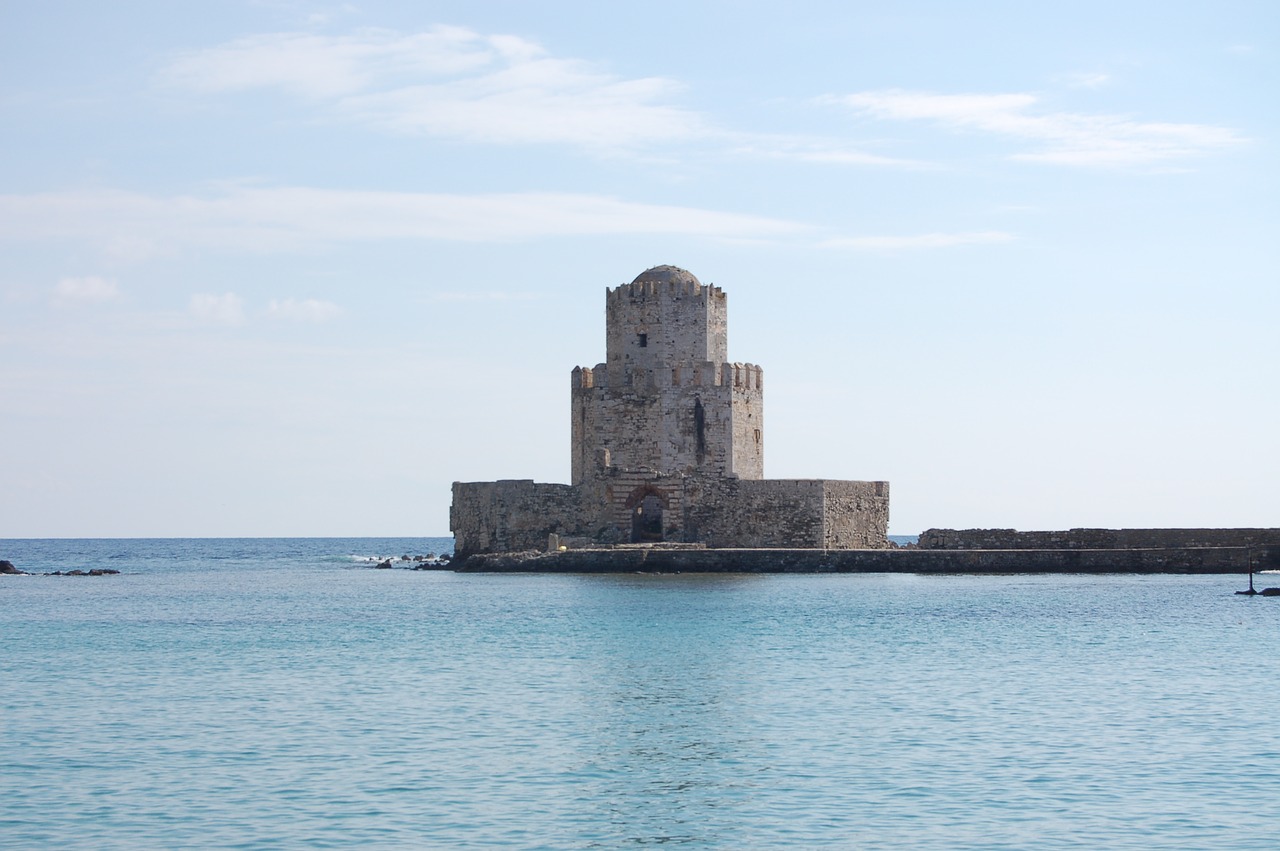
<point>1093,539</point>
<point>674,287</point>
<point>745,376</point>
<point>512,515</point>
<point>756,513</point>
<point>855,514</point>
<point>788,513</point>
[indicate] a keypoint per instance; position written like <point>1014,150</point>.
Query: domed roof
<point>663,274</point>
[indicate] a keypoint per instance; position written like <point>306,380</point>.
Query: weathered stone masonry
<point>667,445</point>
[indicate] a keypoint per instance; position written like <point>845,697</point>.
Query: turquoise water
<point>271,693</point>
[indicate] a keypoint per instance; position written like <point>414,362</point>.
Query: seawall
<point>1210,560</point>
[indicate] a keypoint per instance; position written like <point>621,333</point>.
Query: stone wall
<point>1093,539</point>
<point>856,514</point>
<point>518,515</point>
<point>790,513</point>
<point>513,515</point>
<point>755,512</point>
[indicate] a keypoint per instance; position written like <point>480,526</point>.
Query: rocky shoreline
<point>430,561</point>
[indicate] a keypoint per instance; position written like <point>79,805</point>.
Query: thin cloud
<point>1085,79</point>
<point>73,292</point>
<point>302,310</point>
<point>224,309</point>
<point>448,82</point>
<point>457,84</point>
<point>818,151</point>
<point>322,67</point>
<point>1065,138</point>
<point>291,218</point>
<point>923,241</point>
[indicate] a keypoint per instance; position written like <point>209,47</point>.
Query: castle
<point>668,446</point>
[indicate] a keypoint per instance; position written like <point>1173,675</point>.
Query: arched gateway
<point>646,505</point>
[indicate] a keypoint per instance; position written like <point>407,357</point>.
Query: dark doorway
<point>646,520</point>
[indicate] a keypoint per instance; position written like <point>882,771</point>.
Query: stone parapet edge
<point>1185,560</point>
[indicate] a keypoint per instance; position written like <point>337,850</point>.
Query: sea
<point>283,693</point>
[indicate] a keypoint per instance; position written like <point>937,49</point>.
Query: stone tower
<point>666,401</point>
<point>668,448</point>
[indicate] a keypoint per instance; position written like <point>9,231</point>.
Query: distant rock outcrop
<point>430,561</point>
<point>7,568</point>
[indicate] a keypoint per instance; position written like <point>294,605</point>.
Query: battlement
<point>748,376</point>
<point>673,289</point>
<point>742,376</point>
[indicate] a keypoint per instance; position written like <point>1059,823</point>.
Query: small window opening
<point>700,430</point>
<point>644,340</point>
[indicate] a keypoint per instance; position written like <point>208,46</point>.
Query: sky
<point>290,268</point>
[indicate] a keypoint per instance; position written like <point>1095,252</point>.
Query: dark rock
<point>7,568</point>
<point>1270,592</point>
<point>383,565</point>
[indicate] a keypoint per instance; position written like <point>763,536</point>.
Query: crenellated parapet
<point>640,290</point>
<point>747,376</point>
<point>741,376</point>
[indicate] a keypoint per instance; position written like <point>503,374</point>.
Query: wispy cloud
<point>1084,79</point>
<point>919,241</point>
<point>302,310</point>
<point>72,292</point>
<point>448,82</point>
<point>457,84</point>
<point>291,218</point>
<point>814,150</point>
<point>1065,138</point>
<point>224,309</point>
